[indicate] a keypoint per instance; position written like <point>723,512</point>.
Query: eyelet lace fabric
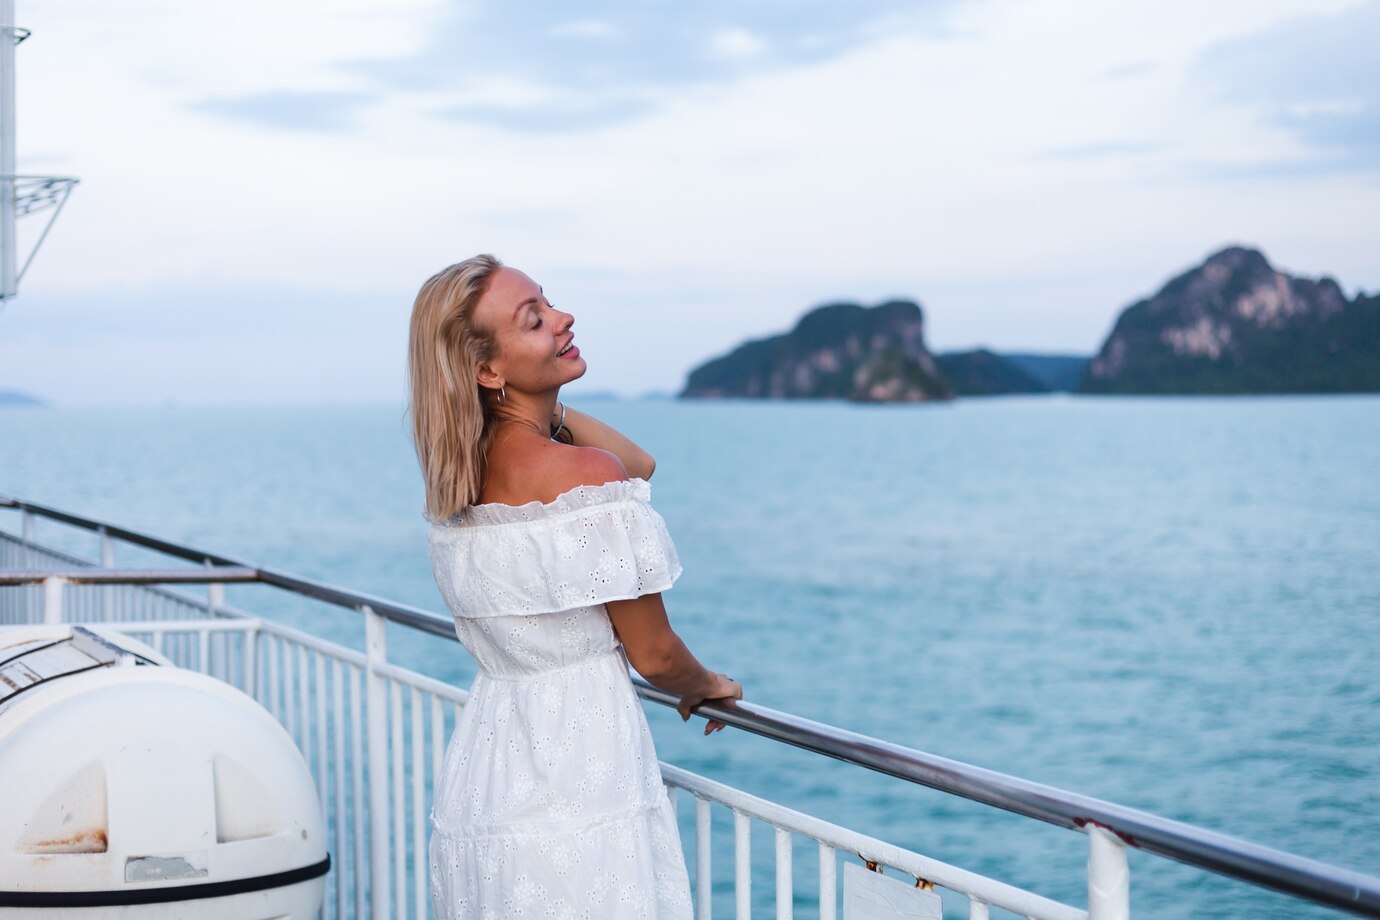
<point>550,801</point>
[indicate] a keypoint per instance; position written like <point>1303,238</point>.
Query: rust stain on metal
<point>90,841</point>
<point>1128,839</point>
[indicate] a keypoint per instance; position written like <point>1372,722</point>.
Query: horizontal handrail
<point>1185,843</point>
<point>398,613</point>
<point>1265,867</point>
<point>210,574</point>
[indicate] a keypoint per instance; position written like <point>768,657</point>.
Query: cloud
<point>736,43</point>
<point>1316,76</point>
<point>302,111</point>
<point>1098,151</point>
<point>623,59</point>
<point>583,28</point>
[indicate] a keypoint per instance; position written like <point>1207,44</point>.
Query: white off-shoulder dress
<point>550,801</point>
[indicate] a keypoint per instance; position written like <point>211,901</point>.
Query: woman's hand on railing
<point>661,656</point>
<point>723,688</point>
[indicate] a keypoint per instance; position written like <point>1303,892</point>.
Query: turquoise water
<point>1170,603</point>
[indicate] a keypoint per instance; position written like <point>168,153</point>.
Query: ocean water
<point>1171,603</point>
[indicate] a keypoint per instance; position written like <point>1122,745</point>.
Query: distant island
<point>1231,325</point>
<point>17,399</point>
<point>1235,324</point>
<point>837,351</point>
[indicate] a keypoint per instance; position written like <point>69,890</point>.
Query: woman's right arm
<point>588,431</point>
<point>659,655</point>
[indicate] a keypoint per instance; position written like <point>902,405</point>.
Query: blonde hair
<point>452,425</point>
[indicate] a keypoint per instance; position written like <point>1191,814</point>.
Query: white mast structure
<point>19,195</point>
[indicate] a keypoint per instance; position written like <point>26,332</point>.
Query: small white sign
<point>869,895</point>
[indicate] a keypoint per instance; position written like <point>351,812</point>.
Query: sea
<point>1168,603</point>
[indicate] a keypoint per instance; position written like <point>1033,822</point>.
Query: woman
<point>547,551</point>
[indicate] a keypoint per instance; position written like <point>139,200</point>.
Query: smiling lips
<point>569,351</point>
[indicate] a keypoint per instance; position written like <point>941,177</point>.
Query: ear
<point>488,378</point>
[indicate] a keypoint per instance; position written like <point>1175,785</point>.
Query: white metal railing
<point>366,726</point>
<point>373,734</point>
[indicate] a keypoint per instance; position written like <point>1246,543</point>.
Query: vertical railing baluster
<point>27,529</point>
<point>250,661</point>
<point>28,537</point>
<point>289,654</point>
<point>438,740</point>
<point>419,861</point>
<point>704,877</point>
<point>785,887</point>
<point>742,866</point>
<point>1109,876</point>
<point>977,910</point>
<point>357,793</point>
<point>52,601</point>
<point>322,756</point>
<point>376,711</point>
<point>828,883</point>
<point>399,815</point>
<point>338,778</point>
<point>304,705</point>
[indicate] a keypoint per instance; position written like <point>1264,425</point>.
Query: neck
<point>532,410</point>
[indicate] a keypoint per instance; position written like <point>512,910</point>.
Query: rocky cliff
<point>1235,324</point>
<point>838,351</point>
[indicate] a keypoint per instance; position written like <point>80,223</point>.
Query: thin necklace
<point>525,423</point>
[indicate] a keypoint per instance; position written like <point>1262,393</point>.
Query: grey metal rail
<point>97,576</point>
<point>1222,854</point>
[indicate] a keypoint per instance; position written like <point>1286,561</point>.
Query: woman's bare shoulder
<point>529,469</point>
<point>568,467</point>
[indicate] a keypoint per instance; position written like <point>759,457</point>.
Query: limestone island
<point>837,351</point>
<point>1235,324</point>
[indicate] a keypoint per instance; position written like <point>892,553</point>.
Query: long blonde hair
<point>451,422</point>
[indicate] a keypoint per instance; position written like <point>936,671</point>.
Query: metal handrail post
<point>376,706</point>
<point>27,520</point>
<point>107,553</point>
<point>52,601</point>
<point>251,659</point>
<point>1109,876</point>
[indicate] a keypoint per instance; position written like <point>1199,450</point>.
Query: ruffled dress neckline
<point>576,499</point>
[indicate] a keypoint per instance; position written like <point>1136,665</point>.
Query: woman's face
<point>535,345</point>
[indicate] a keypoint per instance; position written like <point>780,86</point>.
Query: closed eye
<point>537,324</point>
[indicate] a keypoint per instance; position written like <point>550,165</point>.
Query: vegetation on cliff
<point>837,351</point>
<point>1235,324</point>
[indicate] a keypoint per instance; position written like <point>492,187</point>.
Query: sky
<point>265,185</point>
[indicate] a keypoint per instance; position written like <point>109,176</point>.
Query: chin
<point>578,370</point>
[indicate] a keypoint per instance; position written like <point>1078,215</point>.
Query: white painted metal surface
<point>9,274</point>
<point>19,195</point>
<point>1109,876</point>
<point>869,895</point>
<point>128,781</point>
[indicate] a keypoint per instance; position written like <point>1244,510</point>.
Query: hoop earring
<point>502,395</point>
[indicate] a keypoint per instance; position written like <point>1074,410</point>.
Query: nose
<point>567,319</point>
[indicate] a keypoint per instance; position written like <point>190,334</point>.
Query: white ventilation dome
<point>127,781</point>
